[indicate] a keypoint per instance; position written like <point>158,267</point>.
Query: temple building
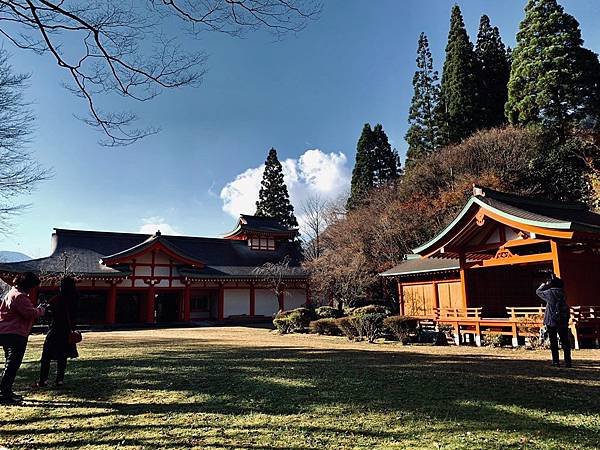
<point>480,273</point>
<point>126,278</point>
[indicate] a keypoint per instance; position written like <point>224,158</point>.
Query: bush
<point>327,312</point>
<point>493,339</point>
<point>369,326</point>
<point>326,327</point>
<point>530,327</point>
<point>347,325</point>
<point>370,309</point>
<point>402,327</point>
<point>293,321</point>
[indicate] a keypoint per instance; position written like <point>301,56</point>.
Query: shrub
<point>493,340</point>
<point>293,321</point>
<point>347,325</point>
<point>369,326</point>
<point>327,312</point>
<point>327,326</point>
<point>370,309</point>
<point>444,333</point>
<point>402,327</point>
<point>530,326</point>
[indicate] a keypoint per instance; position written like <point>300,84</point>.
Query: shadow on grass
<point>459,392</point>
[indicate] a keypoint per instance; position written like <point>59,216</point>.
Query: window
<point>199,302</point>
<point>261,243</point>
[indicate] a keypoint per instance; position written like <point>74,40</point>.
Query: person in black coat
<point>63,312</point>
<point>556,318</point>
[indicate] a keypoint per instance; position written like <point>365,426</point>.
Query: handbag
<point>75,336</point>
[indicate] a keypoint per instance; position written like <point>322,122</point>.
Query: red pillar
<point>221,305</point>
<point>252,300</point>
<point>33,295</point>
<point>187,293</point>
<point>150,304</point>
<point>111,305</point>
<point>280,300</point>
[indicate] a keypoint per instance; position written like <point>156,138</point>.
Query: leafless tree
<point>273,274</point>
<point>314,215</point>
<point>19,172</point>
<point>123,48</point>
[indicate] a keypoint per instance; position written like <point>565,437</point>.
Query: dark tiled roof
<point>85,249</point>
<point>415,265</point>
<point>542,211</point>
<point>261,225</point>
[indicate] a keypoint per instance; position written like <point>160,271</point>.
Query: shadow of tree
<point>456,393</point>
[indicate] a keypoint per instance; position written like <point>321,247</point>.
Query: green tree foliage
<point>376,164</point>
<point>423,134</point>
<point>493,71</point>
<point>458,110</point>
<point>273,198</point>
<point>554,81</point>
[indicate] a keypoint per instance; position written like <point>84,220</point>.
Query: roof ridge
<point>483,192</point>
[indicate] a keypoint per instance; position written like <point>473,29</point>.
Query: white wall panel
<point>294,298</point>
<point>266,302</point>
<point>236,302</point>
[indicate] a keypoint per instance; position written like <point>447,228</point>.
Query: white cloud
<point>313,173</point>
<point>153,224</point>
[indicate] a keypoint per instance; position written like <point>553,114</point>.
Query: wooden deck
<point>469,325</point>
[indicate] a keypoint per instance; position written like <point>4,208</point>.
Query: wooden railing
<point>462,313</point>
<point>585,313</point>
<point>515,312</point>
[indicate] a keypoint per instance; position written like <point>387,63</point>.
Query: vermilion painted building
<point>138,278</point>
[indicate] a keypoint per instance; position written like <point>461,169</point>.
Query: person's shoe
<point>11,399</point>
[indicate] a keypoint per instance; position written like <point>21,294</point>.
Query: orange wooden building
<point>480,273</point>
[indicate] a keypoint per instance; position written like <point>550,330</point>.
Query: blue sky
<point>311,91</point>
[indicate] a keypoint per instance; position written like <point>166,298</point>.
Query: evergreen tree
<point>554,81</point>
<point>493,71</point>
<point>362,174</point>
<point>423,134</point>
<point>458,97</point>
<point>273,198</point>
<point>386,163</point>
<point>376,164</point>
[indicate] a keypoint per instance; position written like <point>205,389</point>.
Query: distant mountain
<point>6,256</point>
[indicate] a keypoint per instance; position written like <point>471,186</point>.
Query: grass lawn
<point>250,388</point>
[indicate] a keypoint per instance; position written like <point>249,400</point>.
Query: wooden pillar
<point>221,304</point>
<point>436,296</point>
<point>111,304</point>
<point>401,299</point>
<point>555,258</point>
<point>187,294</point>
<point>150,303</point>
<point>252,300</point>
<point>464,279</point>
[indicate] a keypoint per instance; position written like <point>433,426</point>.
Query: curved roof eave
<point>474,200</point>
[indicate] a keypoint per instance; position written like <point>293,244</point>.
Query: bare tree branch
<point>119,46</point>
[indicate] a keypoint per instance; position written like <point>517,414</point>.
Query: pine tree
<point>423,134</point>
<point>493,71</point>
<point>376,164</point>
<point>554,81</point>
<point>273,198</point>
<point>362,174</point>
<point>458,110</point>
<point>386,163</point>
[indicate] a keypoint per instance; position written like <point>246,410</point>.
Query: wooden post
<point>150,303</point>
<point>478,334</point>
<point>187,294</point>
<point>401,299</point>
<point>436,296</point>
<point>221,304</point>
<point>463,279</point>
<point>111,304</point>
<point>555,258</point>
<point>33,295</point>
<point>252,300</point>
<point>515,336</point>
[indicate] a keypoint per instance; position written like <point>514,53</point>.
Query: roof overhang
<point>156,243</point>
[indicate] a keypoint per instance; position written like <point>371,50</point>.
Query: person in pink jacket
<point>17,316</point>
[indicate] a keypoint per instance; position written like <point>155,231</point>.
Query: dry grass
<point>249,388</point>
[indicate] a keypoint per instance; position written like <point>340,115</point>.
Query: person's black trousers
<point>14,347</point>
<point>61,367</point>
<point>565,342</point>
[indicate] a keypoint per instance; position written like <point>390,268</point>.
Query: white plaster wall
<point>236,302</point>
<point>266,302</point>
<point>142,271</point>
<point>161,271</point>
<point>294,298</point>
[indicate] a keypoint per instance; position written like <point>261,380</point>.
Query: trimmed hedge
<point>347,326</point>
<point>327,312</point>
<point>327,326</point>
<point>402,327</point>
<point>293,321</point>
